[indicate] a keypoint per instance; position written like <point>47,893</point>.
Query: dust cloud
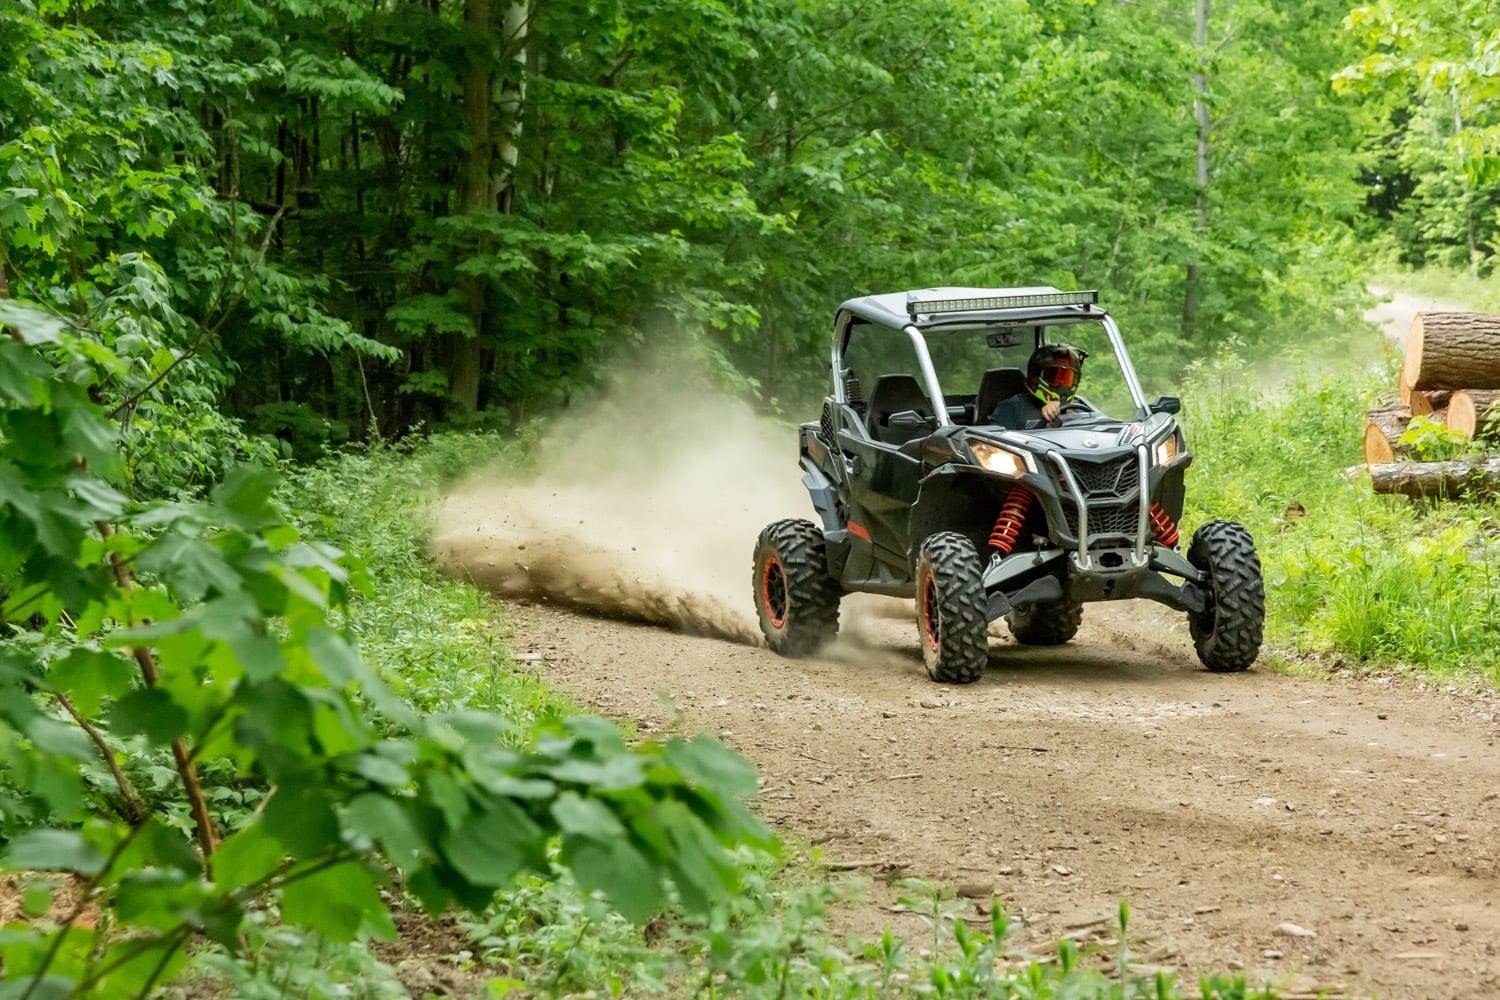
<point>644,506</point>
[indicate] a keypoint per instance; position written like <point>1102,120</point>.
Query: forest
<point>261,257</point>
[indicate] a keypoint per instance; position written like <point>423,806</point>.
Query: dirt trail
<point>1067,779</point>
<point>1395,313</point>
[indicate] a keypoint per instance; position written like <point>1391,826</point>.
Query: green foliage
<point>157,654</point>
<point>1350,576</point>
<point>1432,66</point>
<point>1433,441</point>
<point>397,216</point>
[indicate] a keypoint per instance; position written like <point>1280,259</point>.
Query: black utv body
<point>917,495</point>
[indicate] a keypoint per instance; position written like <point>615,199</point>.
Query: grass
<point>1353,579</point>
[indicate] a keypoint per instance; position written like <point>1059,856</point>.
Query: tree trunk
<point>512,102</point>
<point>464,350</point>
<point>1474,411</point>
<point>1194,278</point>
<point>1453,351</point>
<point>1474,478</point>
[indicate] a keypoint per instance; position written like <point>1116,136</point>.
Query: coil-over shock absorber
<point>1012,516</point>
<point>1162,527</point>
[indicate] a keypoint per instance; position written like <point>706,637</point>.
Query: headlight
<point>997,459</point>
<point>1167,450</point>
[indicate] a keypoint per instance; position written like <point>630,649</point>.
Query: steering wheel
<point>1074,406</point>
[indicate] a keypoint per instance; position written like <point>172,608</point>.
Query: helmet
<point>1054,371</point>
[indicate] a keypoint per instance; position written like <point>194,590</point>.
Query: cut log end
<point>1378,447</point>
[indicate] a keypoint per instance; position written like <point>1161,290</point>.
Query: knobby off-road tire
<point>796,600</point>
<point>1228,632</point>
<point>1047,623</point>
<point>951,609</point>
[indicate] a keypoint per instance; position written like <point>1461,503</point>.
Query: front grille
<point>825,424</point>
<point>1110,489</point>
<point>1124,518</point>
<point>1116,478</point>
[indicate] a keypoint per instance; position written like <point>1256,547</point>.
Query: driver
<point>1052,377</point>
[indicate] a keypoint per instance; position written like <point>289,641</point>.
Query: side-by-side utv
<point>919,495</point>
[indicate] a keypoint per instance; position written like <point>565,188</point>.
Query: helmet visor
<point>1060,377</point>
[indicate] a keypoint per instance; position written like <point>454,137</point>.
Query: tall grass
<point>1360,578</point>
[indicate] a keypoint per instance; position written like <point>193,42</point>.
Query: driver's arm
<point>1050,411</point>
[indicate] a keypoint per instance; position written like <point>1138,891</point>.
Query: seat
<point>895,394</point>
<point>996,386</point>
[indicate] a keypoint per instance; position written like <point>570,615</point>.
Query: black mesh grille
<point>1116,478</point>
<point>1124,518</point>
<point>825,424</point>
<point>1110,489</point>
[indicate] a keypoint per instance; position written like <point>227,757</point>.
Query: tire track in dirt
<point>1110,768</point>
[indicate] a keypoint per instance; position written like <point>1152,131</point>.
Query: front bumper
<point>1103,574</point>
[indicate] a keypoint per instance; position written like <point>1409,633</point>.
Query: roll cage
<point>918,312</point>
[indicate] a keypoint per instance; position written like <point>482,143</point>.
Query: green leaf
<point>587,818</point>
<point>300,814</point>
<point>713,765</point>
<point>88,676</point>
<point>37,899</point>
<point>622,873</point>
<point>56,851</point>
<point>384,821</point>
<point>148,711</point>
<point>491,845</point>
<point>337,902</point>
<point>246,857</point>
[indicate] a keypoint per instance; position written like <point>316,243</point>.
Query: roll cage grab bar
<point>929,374</point>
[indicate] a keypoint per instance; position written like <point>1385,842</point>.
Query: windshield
<point>962,355</point>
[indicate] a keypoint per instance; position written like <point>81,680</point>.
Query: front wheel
<point>951,609</point>
<point>1046,623</point>
<point>1227,633</point>
<point>796,600</point>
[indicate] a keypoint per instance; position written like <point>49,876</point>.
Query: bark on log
<point>1457,480</point>
<point>1474,411</point>
<point>1453,351</point>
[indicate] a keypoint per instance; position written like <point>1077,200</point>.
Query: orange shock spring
<point>1012,515</point>
<point>1162,527</point>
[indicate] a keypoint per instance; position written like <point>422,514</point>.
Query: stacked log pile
<point>1450,375</point>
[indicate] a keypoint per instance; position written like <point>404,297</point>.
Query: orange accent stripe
<point>859,529</point>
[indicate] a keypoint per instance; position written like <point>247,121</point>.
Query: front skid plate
<point>1097,584</point>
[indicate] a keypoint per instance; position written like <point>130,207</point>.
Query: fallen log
<point>1461,479</point>
<point>1452,350</point>
<point>1385,427</point>
<point>1475,411</point>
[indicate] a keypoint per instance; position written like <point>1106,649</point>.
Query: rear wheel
<point>796,600</point>
<point>951,606</point>
<point>1227,634</point>
<point>1046,623</point>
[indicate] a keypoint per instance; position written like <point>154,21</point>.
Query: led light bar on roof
<point>930,307</point>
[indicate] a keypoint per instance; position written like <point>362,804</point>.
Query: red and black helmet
<point>1054,371</point>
